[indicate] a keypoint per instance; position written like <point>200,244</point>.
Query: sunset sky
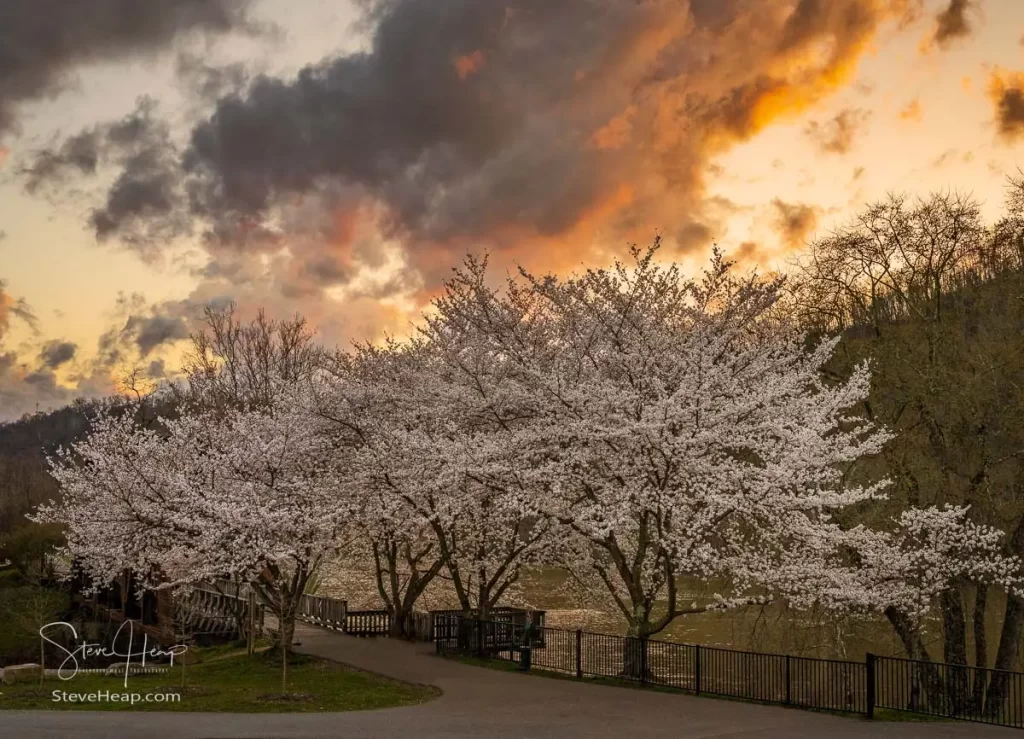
<point>338,158</point>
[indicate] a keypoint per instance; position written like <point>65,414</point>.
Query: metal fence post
<point>643,660</point>
<point>250,638</point>
<point>787,680</point>
<point>579,653</point>
<point>869,667</point>
<point>696,669</point>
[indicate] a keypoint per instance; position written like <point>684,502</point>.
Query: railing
<point>937,689</point>
<point>951,691</point>
<point>445,622</point>
<point>322,611</point>
<point>220,608</point>
<point>367,623</point>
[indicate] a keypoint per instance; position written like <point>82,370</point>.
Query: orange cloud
<point>748,254</point>
<point>1006,93</point>
<point>469,64</point>
<point>564,157</point>
<point>4,153</point>
<point>616,133</point>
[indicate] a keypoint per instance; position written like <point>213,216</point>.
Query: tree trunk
<point>400,617</point>
<point>483,601</point>
<point>285,637</point>
<point>633,662</point>
<point>634,653</point>
<point>285,642</point>
<point>926,675</point>
<point>1009,639</point>
<point>1006,655</point>
<point>955,650</point>
<point>980,646</point>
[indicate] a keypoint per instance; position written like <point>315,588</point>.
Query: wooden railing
<point>367,623</point>
<point>323,611</point>
<point>222,607</point>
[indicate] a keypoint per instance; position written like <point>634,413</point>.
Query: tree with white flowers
<point>437,443</point>
<point>252,494</point>
<point>684,428</point>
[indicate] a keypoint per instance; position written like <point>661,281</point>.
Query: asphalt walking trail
<point>480,703</point>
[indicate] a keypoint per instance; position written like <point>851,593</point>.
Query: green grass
<point>229,680</point>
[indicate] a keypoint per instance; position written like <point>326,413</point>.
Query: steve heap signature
<point>84,650</point>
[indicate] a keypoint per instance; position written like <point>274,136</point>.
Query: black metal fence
<point>951,691</point>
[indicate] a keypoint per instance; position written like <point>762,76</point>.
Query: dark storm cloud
<point>952,22</point>
<point>206,82</point>
<point>398,120</point>
<point>43,379</point>
<point>78,154</point>
<point>145,203</point>
<point>150,332</point>
<point>513,126</point>
<point>42,41</point>
<point>56,353</point>
<point>459,138</point>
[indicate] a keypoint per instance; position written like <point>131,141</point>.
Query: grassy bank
<point>228,680</point>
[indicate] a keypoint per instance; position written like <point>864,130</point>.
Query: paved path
<point>482,703</point>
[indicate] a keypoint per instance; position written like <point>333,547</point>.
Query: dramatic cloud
<point>547,133</point>
<point>56,353</point>
<point>149,333</point>
<point>507,126</point>
<point>836,136</point>
<point>42,41</point>
<point>145,204</point>
<point>1006,91</point>
<point>794,222</point>
<point>207,83</point>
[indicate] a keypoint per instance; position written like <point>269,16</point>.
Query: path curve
<point>480,702</point>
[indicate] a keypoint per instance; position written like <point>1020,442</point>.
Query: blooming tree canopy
<point>429,463</point>
<point>682,428</point>
<point>250,488</point>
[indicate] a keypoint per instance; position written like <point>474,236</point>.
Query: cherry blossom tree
<point>247,493</point>
<point>908,570</point>
<point>437,447</point>
<point>683,428</point>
